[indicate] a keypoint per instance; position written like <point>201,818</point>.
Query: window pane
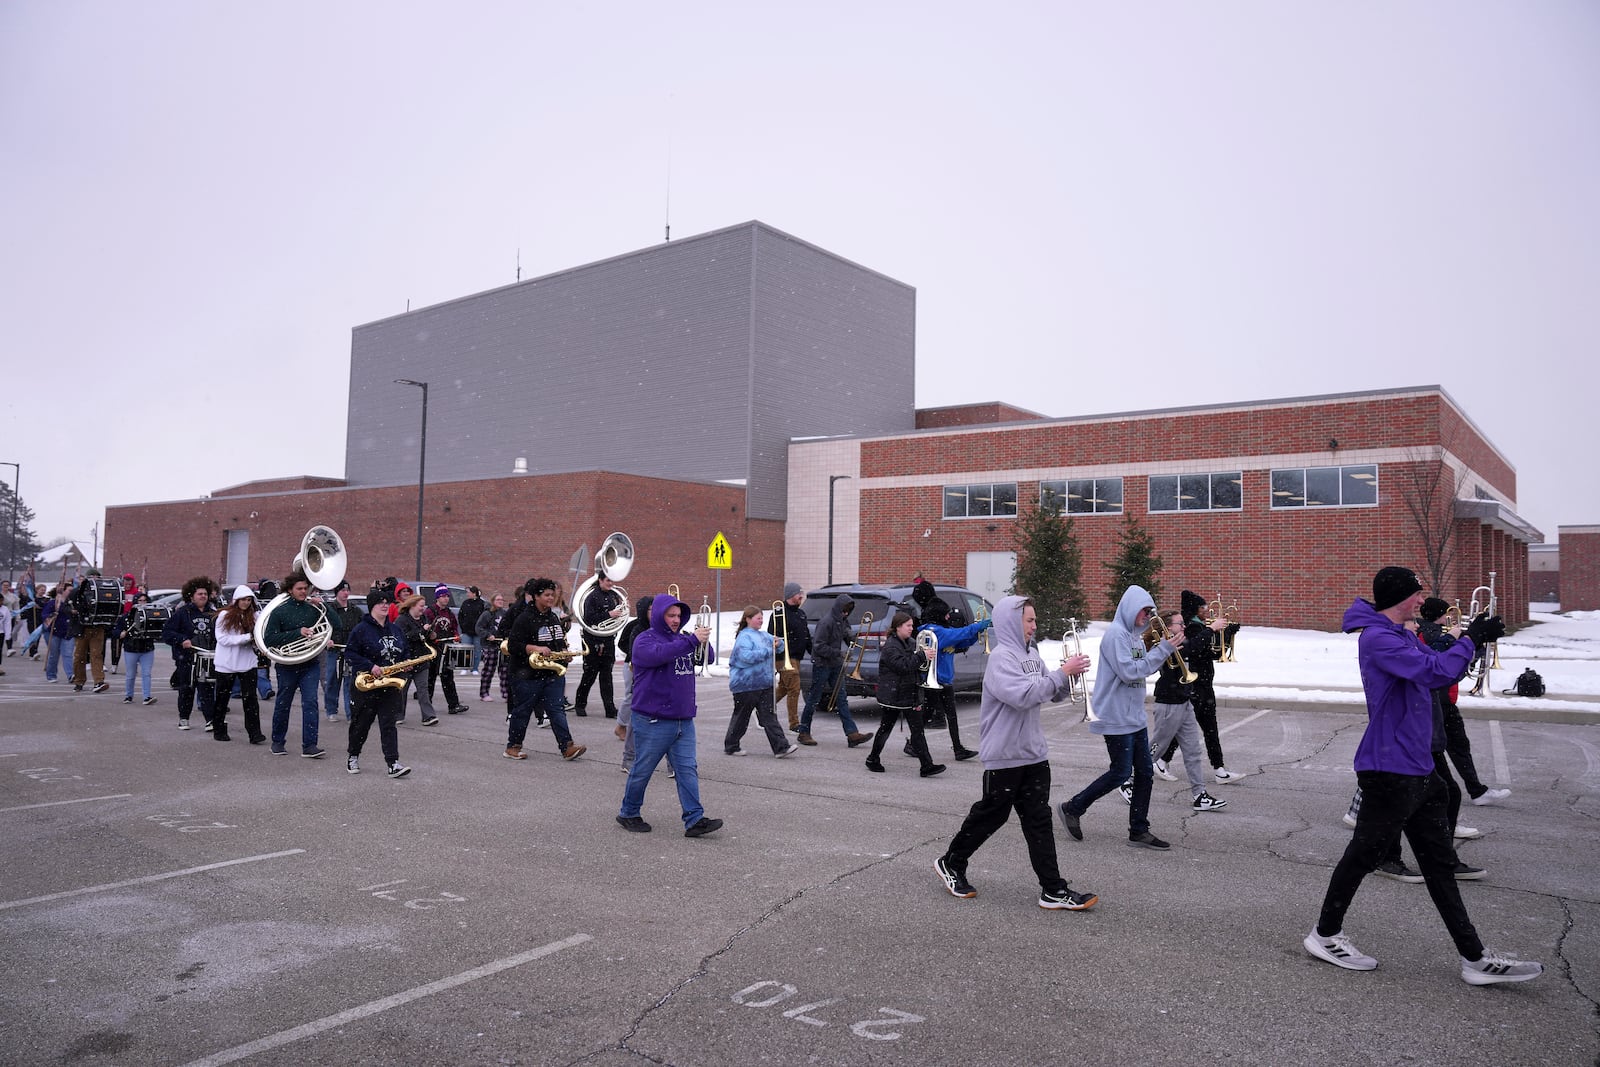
<point>1194,492</point>
<point>1359,485</point>
<point>1322,486</point>
<point>1052,496</point>
<point>1164,492</point>
<point>1080,496</point>
<point>1109,492</point>
<point>955,501</point>
<point>980,499</point>
<point>1227,490</point>
<point>1005,499</point>
<point>1288,489</point>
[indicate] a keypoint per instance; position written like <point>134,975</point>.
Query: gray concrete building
<point>696,359</point>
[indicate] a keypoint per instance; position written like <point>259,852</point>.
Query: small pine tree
<point>1049,569</point>
<point>1136,563</point>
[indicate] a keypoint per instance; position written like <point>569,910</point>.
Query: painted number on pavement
<point>50,774</point>
<point>185,823</point>
<point>769,994</point>
<point>388,891</point>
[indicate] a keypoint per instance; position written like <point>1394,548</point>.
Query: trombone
<point>860,649</point>
<point>777,609</point>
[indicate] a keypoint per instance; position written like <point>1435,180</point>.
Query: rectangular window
<point>984,500</point>
<point>1325,487</point>
<point>1197,492</point>
<point>1083,496</point>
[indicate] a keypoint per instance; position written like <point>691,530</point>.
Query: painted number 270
<point>770,994</point>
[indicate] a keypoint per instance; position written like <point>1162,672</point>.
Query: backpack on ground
<point>1529,684</point>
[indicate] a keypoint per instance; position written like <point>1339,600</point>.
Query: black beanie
<point>1392,585</point>
<point>1433,608</point>
<point>922,592</point>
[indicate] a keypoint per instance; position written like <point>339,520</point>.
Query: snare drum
<point>457,656</point>
<point>203,671</point>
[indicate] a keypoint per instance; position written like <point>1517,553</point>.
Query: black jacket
<point>833,635</point>
<point>799,631</point>
<point>1169,690</point>
<point>901,666</point>
<point>471,609</point>
<point>533,627</point>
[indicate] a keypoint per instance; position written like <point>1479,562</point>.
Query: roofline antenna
<point>519,264</point>
<point>668,236</point>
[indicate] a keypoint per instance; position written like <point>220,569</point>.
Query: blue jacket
<point>1398,675</point>
<point>1124,664</point>
<point>750,662</point>
<point>663,665</point>
<point>952,641</point>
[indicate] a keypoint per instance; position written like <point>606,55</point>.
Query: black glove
<point>1232,628</point>
<point>1486,629</point>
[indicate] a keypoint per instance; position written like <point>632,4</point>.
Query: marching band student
<point>637,624</point>
<point>489,635</point>
<point>1118,703</point>
<point>295,618</point>
<point>538,629</point>
<point>376,644</point>
<point>791,623</point>
<point>191,627</point>
<point>939,703</point>
<point>750,677</point>
<point>141,652</point>
<point>443,629</point>
<point>343,617</point>
<point>901,665</point>
<point>1399,790</point>
<point>1200,652</point>
<point>1175,723</point>
<point>415,630</point>
<point>829,646</point>
<point>602,605</point>
<point>90,648</point>
<point>1016,758</point>
<point>236,664</point>
<point>58,623</point>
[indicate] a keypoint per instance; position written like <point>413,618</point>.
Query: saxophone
<point>390,680</point>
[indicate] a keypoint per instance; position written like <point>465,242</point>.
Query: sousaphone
<point>323,558</point>
<point>614,561</point>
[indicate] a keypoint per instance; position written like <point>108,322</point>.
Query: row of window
<point>1295,487</point>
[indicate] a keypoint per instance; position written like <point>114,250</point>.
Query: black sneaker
<point>1398,871</point>
<point>147,701</point>
<point>954,881</point>
<point>1207,802</point>
<point>431,720</point>
<point>127,700</point>
<point>963,754</point>
<point>703,827</point>
<point>635,825</point>
<point>932,769</point>
<point>1070,821</point>
<point>77,689</point>
<point>351,765</point>
<point>311,753</point>
<point>398,770</point>
<point>1064,899</point>
<point>101,687</point>
<point>1467,873</point>
<point>1147,840</point>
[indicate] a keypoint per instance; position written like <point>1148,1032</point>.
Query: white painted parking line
<point>1247,718</point>
<point>4,905</point>
<point>329,1022</point>
<point>1497,745</point>
<point>56,803</point>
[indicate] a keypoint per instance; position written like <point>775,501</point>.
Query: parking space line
<point>1497,745</point>
<point>1247,718</point>
<point>329,1022</point>
<point>56,803</point>
<point>4,905</point>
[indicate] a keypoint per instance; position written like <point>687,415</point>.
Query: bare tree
<point>1429,490</point>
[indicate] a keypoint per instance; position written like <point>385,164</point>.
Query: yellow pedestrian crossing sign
<point>719,557</point>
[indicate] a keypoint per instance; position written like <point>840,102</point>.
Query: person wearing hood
<point>1016,758</point>
<point>828,648</point>
<point>1400,791</point>
<point>1200,652</point>
<point>662,712</point>
<point>1118,704</point>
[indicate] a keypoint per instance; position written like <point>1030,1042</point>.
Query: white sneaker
<point>1491,796</point>
<point>1126,793</point>
<point>1349,820</point>
<point>1162,773</point>
<point>1467,833</point>
<point>1338,951</point>
<point>350,765</point>
<point>1225,775</point>
<point>791,750</point>
<point>1495,968</point>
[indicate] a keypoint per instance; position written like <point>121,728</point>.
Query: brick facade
<point>1580,568</point>
<point>493,533</point>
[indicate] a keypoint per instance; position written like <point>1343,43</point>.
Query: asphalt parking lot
<point>168,899</point>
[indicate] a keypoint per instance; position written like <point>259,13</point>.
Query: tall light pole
<point>422,467</point>
<point>16,502</point>
<point>831,479</point>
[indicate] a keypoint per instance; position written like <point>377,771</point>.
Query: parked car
<point>458,593</point>
<point>883,601</point>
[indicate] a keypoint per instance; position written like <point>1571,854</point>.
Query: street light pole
<point>422,466</point>
<point>831,479</point>
<point>16,500</point>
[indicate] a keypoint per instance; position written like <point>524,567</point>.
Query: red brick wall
<point>492,533</point>
<point>1580,569</point>
<point>972,415</point>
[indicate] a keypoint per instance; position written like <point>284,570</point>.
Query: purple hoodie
<point>663,665</point>
<point>1399,674</point>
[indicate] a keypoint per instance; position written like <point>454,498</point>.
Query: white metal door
<point>989,573</point>
<point>238,569</point>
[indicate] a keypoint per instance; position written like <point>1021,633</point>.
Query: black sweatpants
<point>382,703</point>
<point>1027,790</point>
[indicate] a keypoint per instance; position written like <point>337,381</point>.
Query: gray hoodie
<point>1124,665</point>
<point>1015,684</point>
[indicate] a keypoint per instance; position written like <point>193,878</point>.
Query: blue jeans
<point>477,650</point>
<point>529,692</point>
<point>336,680</point>
<point>1130,754</point>
<point>138,663</point>
<point>303,677</point>
<point>52,663</point>
<point>652,739</point>
<point>823,676</point>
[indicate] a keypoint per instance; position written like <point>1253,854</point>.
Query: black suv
<point>883,601</point>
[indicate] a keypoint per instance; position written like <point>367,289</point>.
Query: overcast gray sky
<point>1103,207</point>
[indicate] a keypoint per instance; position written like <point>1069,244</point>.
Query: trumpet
<point>1077,684</point>
<point>777,610</point>
<point>1156,633</point>
<point>703,620</point>
<point>983,613</point>
<point>928,643</point>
